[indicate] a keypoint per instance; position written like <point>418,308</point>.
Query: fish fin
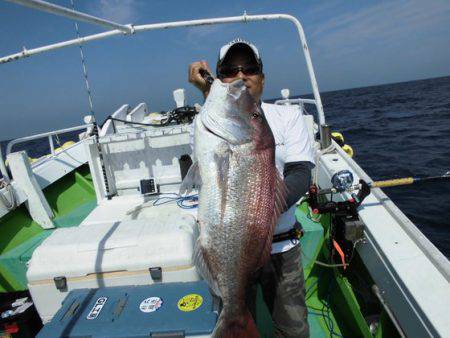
<point>242,327</point>
<point>222,160</point>
<point>192,180</point>
<point>203,269</point>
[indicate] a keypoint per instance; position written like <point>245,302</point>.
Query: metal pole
<point>72,14</point>
<point>294,101</point>
<point>52,146</point>
<point>233,19</point>
<point>3,168</point>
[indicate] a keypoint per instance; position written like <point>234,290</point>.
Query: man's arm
<point>297,177</point>
<point>299,157</point>
<point>196,79</point>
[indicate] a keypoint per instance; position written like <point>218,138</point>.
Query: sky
<point>352,44</point>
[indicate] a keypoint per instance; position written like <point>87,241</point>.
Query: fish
<point>241,195</point>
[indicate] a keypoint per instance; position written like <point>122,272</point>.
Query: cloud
<point>385,24</point>
<point>120,11</point>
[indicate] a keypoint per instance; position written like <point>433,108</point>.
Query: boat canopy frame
<point>245,18</point>
<point>72,14</point>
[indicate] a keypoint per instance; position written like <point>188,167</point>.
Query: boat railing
<point>296,101</point>
<point>20,140</point>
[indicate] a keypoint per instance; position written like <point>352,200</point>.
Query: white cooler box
<point>130,252</point>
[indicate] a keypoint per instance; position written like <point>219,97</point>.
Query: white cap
<point>224,50</point>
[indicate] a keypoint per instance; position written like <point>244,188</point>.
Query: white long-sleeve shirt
<point>292,144</point>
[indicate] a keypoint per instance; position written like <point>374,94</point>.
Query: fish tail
<point>242,327</point>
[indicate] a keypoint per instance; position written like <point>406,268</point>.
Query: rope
<point>83,63</point>
<point>327,265</point>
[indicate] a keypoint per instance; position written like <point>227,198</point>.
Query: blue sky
<point>352,43</point>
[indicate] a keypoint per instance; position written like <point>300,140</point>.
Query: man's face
<point>254,82</point>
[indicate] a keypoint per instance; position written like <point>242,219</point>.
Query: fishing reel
<point>346,228</point>
<point>342,181</point>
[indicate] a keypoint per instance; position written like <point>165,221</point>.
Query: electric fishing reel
<point>346,227</point>
<point>342,181</point>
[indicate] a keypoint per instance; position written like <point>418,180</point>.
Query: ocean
<point>396,130</point>
<point>399,130</point>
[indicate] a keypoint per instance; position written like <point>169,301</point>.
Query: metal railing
<point>214,21</point>
<point>72,14</point>
<point>295,101</point>
<point>49,135</point>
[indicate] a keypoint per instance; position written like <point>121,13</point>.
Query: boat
<point>103,212</point>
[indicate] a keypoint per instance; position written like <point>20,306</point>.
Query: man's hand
<point>196,79</point>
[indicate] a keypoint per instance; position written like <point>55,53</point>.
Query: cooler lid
<point>180,309</point>
<point>128,245</point>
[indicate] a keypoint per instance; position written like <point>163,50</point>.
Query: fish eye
<point>255,115</point>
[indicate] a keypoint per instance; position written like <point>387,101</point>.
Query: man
<point>281,278</point>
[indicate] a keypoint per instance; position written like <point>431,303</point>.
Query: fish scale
<point>240,197</point>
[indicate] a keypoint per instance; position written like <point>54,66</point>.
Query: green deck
<point>334,310</point>
<point>71,199</point>
<point>335,305</point>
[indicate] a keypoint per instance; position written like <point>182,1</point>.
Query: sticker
<point>190,302</point>
<point>98,306</point>
<point>151,304</point>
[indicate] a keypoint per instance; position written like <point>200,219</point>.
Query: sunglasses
<point>230,71</point>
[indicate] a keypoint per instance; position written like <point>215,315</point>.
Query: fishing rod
<point>347,229</point>
<point>343,181</point>
<point>206,76</point>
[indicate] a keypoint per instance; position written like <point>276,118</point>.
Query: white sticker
<point>98,306</point>
<point>151,304</point>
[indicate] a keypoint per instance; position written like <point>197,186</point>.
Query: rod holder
<point>325,133</point>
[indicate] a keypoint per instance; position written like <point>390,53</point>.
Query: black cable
<point>136,123</point>
<point>178,114</point>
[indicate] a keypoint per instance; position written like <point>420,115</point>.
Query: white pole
<point>233,19</point>
<point>52,146</point>
<point>3,168</point>
<point>72,14</point>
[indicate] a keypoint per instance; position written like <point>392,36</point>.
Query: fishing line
<point>83,64</point>
<point>91,106</point>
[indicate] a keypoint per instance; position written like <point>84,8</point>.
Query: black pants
<point>283,288</point>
